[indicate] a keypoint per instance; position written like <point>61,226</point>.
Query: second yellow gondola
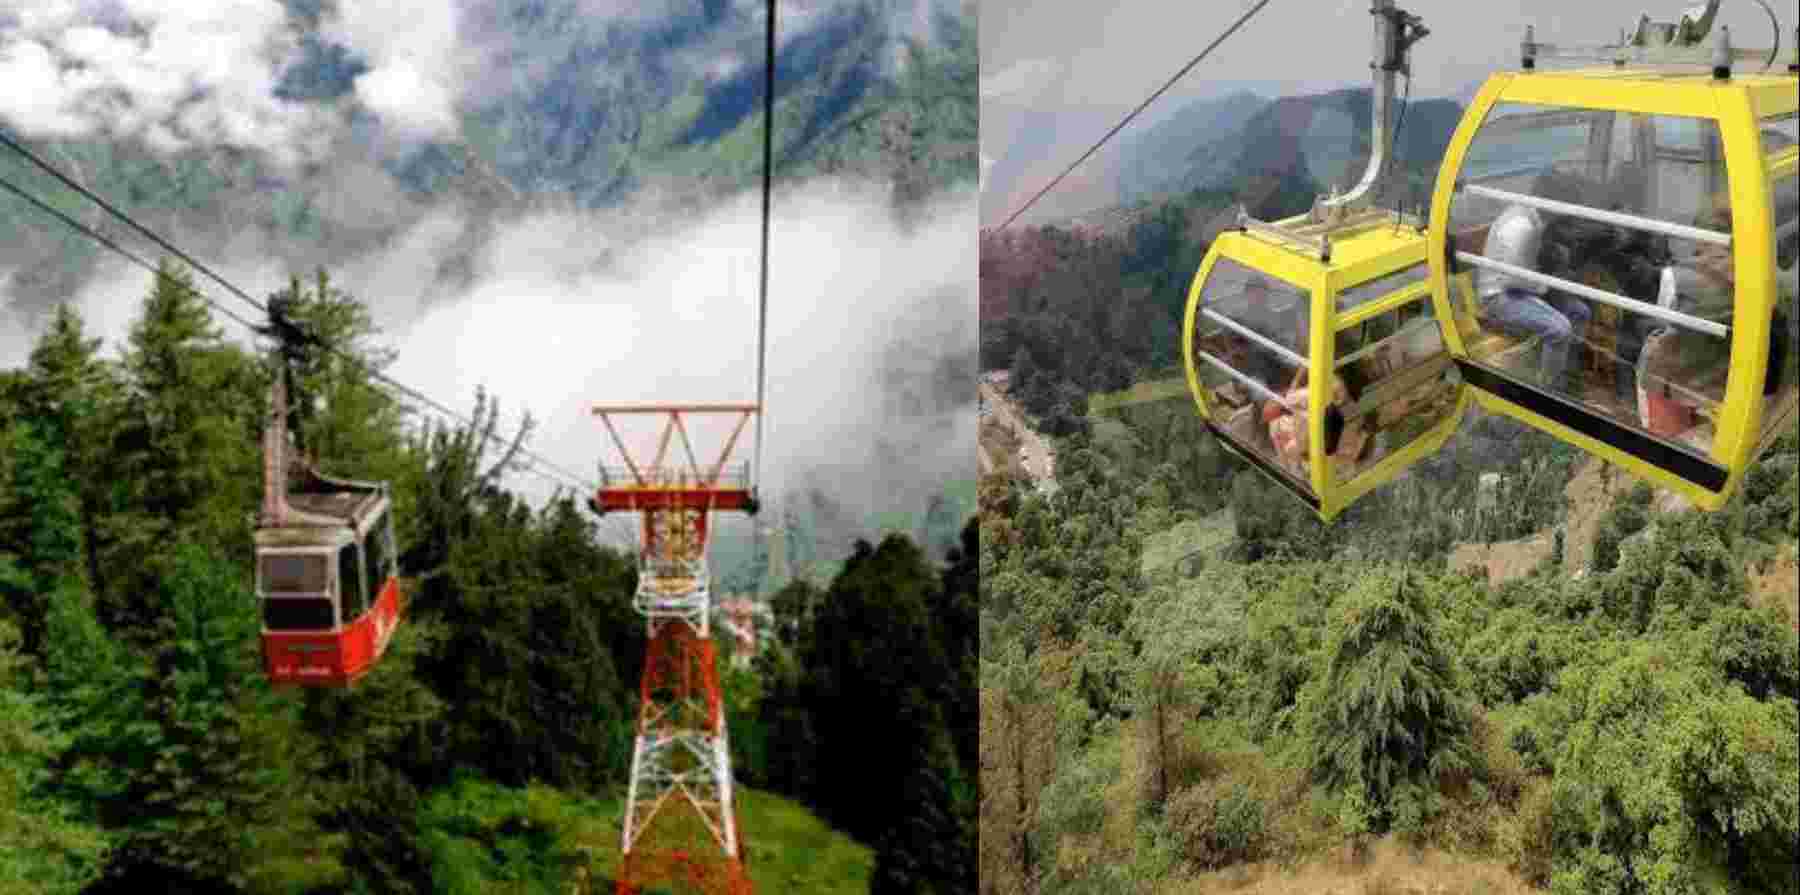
<point>1612,252</point>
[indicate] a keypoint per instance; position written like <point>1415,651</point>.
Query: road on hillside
<point>1035,453</point>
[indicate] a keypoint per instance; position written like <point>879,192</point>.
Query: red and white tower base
<point>680,826</point>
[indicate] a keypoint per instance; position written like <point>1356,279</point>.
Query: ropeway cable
<point>1134,113</point>
<point>762,314</point>
<point>538,464</point>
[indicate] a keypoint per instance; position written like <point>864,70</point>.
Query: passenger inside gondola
<point>1289,426</point>
<point>1599,354</point>
<point>1526,308</point>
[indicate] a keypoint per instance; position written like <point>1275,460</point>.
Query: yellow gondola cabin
<point>1331,309</point>
<point>1612,254</point>
<point>1273,329</point>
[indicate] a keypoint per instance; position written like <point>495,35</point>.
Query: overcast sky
<point>1067,72</point>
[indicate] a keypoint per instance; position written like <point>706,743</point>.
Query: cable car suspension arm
<point>1395,32</point>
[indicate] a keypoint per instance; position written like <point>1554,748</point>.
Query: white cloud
<point>673,318</point>
<point>408,99</point>
<point>34,99</point>
<point>395,280</point>
<point>175,74</point>
<point>415,60</point>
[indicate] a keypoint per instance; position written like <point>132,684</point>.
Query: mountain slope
<point>1323,137</point>
<point>594,116</point>
<point>1156,159</point>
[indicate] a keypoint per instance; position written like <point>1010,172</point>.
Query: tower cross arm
<point>609,409</point>
<point>710,476</point>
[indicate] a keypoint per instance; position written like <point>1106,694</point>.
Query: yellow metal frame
<point>1323,281</point>
<point>1738,106</point>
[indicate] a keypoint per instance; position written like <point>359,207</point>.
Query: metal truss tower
<point>681,826</point>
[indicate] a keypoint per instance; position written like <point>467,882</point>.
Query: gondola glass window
<point>1779,143</point>
<point>380,553</point>
<point>1361,294</point>
<point>298,592</point>
<point>1568,210</point>
<point>1393,368</point>
<point>350,582</point>
<point>1251,352</point>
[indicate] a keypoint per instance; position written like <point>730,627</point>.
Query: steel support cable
<point>1135,112</point>
<point>417,398</point>
<point>165,244</point>
<point>102,239</point>
<point>762,311</point>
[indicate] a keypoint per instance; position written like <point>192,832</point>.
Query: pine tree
<point>1386,717</point>
<point>40,537</point>
<point>187,448</point>
<point>76,396</point>
<point>877,691</point>
<point>341,416</point>
<point>224,800</point>
<point>46,846</point>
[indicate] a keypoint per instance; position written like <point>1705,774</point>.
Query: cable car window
<point>298,614</point>
<point>1784,336</point>
<point>1363,293</point>
<point>1559,326</point>
<point>293,573</point>
<point>378,556</point>
<point>1251,341</point>
<point>1666,168</point>
<point>1780,132</point>
<point>350,583</point>
<point>1395,372</point>
<point>1518,142</point>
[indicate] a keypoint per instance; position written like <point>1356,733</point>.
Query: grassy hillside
<point>1141,392</point>
<point>486,838</point>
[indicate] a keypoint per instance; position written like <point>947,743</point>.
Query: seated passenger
<point>1525,307</point>
<point>1288,430</point>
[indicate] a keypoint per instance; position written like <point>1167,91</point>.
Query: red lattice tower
<point>681,827</point>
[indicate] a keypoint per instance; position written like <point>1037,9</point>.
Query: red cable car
<point>326,571</point>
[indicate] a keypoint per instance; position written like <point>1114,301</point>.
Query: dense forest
<point>141,749</point>
<point>1189,684</point>
<point>1071,313</point>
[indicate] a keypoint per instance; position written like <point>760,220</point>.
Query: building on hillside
<point>747,622</point>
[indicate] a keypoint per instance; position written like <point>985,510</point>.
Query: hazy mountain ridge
<point>1324,137</point>
<point>1273,155</point>
<point>1161,156</point>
